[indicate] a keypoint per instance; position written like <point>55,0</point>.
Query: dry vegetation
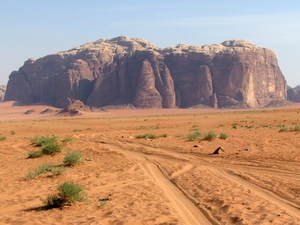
<point>152,167</point>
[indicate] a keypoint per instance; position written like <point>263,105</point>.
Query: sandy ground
<point>167,180</point>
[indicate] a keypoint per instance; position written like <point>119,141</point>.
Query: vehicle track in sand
<point>285,204</point>
<point>149,159</point>
<point>184,207</point>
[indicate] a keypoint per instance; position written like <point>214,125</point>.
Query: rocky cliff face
<point>133,71</point>
<point>2,92</point>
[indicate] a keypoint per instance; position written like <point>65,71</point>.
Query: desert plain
<point>170,179</point>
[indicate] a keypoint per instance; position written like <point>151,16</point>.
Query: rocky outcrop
<point>293,94</point>
<point>2,92</point>
<point>123,71</point>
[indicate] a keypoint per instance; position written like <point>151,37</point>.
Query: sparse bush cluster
<point>71,159</point>
<point>68,192</point>
<point>48,145</point>
<point>45,168</point>
<point>150,136</point>
<point>211,135</point>
<point>290,129</point>
<point>195,135</point>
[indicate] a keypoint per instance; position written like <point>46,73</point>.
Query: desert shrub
<point>51,149</point>
<point>35,154</point>
<point>77,130</point>
<point>210,136</point>
<point>234,125</point>
<point>2,138</point>
<point>44,168</point>
<point>223,136</point>
<point>57,170</point>
<point>148,136</point>
<point>193,136</point>
<point>67,139</point>
<point>297,128</point>
<point>285,129</point>
<point>41,141</point>
<point>163,135</point>
<point>68,193</point>
<point>12,132</point>
<point>72,158</point>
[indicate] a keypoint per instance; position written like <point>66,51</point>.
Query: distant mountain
<point>293,94</point>
<point>2,92</point>
<point>297,88</point>
<point>133,71</point>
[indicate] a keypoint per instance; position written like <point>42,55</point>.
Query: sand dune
<point>166,180</point>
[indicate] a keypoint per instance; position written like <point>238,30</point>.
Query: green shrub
<point>35,154</point>
<point>148,136</point>
<point>234,125</point>
<point>41,141</point>
<point>210,136</point>
<point>72,158</point>
<point>194,135</point>
<point>68,194</point>
<point>297,128</point>
<point>77,130</point>
<point>57,170</point>
<point>284,129</point>
<point>223,136</point>
<point>12,132</point>
<point>44,168</point>
<point>287,129</point>
<point>51,149</point>
<point>2,138</point>
<point>67,139</point>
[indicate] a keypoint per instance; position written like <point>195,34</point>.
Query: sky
<point>35,28</point>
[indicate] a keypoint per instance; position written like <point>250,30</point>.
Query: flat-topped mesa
<point>123,70</point>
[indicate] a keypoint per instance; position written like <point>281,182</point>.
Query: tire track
<point>186,209</point>
<point>287,205</point>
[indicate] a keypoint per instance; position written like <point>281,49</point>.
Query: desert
<point>172,177</point>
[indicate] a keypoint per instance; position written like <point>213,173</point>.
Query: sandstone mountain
<point>293,94</point>
<point>2,92</point>
<point>123,71</point>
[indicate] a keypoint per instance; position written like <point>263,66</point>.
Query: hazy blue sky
<point>35,28</point>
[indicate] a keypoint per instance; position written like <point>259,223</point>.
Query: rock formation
<point>122,71</point>
<point>293,94</point>
<point>2,92</point>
